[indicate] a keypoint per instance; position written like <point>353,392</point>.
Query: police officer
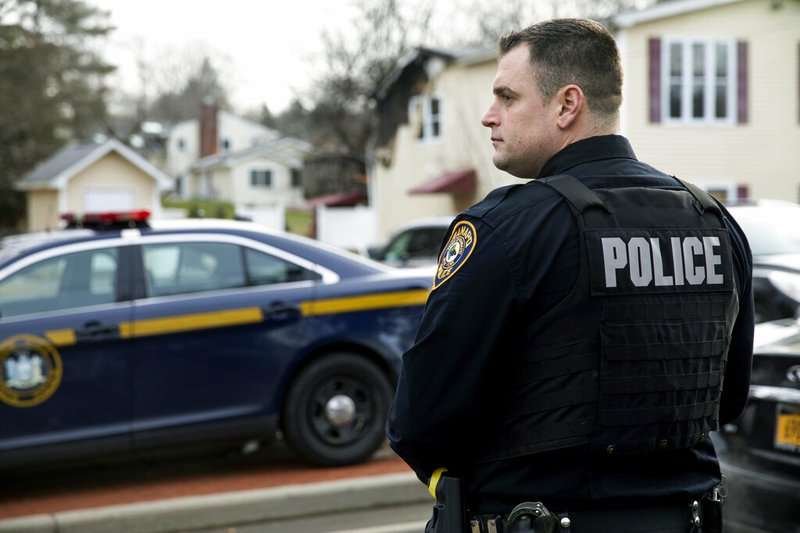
<point>571,358</point>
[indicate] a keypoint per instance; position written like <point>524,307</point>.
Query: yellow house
<point>711,95</point>
<point>432,156</point>
<point>90,178</point>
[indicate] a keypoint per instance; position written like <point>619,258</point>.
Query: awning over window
<point>339,199</point>
<point>457,182</point>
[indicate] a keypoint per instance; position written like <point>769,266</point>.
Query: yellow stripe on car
<point>61,337</point>
<point>249,315</point>
<point>194,321</point>
<point>364,302</point>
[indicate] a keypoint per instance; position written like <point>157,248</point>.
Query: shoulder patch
<point>456,252</point>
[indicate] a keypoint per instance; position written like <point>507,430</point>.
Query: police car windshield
<point>771,229</point>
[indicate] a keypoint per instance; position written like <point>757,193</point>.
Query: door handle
<point>94,330</point>
<point>282,311</point>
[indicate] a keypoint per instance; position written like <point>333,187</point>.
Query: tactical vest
<point>633,359</point>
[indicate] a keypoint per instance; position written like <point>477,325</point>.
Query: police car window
<point>265,269</point>
<point>64,282</point>
<point>187,267</point>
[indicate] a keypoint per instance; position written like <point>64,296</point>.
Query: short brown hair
<point>579,51</point>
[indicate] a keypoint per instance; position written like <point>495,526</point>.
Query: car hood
<point>787,262</point>
<point>779,335</point>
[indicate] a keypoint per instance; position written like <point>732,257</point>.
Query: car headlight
<point>786,282</point>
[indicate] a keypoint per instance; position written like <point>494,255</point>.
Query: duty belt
<point>525,517</point>
<point>534,517</point>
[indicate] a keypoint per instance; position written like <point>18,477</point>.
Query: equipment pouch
<point>712,510</point>
<point>449,515</point>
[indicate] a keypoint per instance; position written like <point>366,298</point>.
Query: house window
<point>429,109</point>
<point>225,144</point>
<point>296,178</point>
<point>699,76</point>
<point>181,145</point>
<point>180,184</point>
<point>261,178</point>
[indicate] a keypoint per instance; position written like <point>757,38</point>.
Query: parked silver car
<point>773,230</point>
<point>415,244</point>
<point>759,452</point>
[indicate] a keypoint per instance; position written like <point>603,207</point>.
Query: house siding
<point>761,153</point>
<point>465,90</point>
<point>112,171</point>
<point>280,193</point>
<point>43,211</point>
<point>240,134</point>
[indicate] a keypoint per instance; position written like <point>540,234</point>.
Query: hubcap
<point>340,410</point>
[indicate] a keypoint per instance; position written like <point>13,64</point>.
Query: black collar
<point>587,151</point>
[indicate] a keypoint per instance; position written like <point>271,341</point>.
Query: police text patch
<point>456,252</point>
<point>631,261</point>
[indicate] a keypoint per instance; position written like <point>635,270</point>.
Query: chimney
<point>208,128</point>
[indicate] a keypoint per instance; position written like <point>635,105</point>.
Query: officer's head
<point>557,82</point>
<point>579,51</point>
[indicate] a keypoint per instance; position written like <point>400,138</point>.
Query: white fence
<point>271,217</point>
<point>352,228</point>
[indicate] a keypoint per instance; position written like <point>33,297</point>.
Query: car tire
<point>335,410</point>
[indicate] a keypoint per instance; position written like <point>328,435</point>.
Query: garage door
<point>97,200</point>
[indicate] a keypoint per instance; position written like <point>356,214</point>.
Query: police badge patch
<point>456,252</point>
<point>30,370</point>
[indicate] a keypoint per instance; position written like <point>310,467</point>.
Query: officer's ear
<point>571,102</point>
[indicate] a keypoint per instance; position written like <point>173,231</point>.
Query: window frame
<point>430,123</point>
<point>327,276</point>
<point>269,182</point>
<point>709,84</point>
<point>234,267</point>
<point>295,178</point>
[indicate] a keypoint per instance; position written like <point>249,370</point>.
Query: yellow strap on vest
<point>435,481</point>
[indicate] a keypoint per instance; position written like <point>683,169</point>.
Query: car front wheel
<point>335,410</point>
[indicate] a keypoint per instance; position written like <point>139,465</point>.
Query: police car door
<point>64,368</point>
<point>219,323</point>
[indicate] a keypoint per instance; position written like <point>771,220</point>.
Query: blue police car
<point>126,335</point>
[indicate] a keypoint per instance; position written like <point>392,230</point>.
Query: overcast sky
<point>270,44</point>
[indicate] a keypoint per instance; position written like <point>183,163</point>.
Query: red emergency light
<point>108,220</point>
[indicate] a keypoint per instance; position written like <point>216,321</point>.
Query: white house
<point>214,132</point>
<point>267,175</point>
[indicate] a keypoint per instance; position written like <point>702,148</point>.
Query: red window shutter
<point>654,86</point>
<point>742,110</point>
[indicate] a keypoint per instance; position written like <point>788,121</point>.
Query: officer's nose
<point>489,118</point>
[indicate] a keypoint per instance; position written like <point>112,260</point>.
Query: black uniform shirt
<point>524,260</point>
